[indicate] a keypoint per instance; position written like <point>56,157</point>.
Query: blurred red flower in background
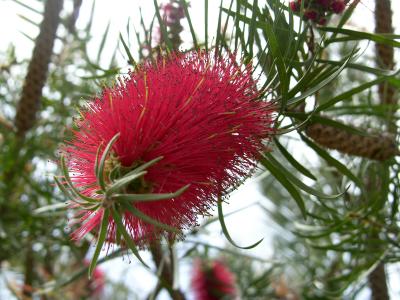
<point>338,6</point>
<point>213,281</point>
<point>96,284</point>
<point>318,10</point>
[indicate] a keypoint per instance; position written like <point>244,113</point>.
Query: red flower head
<point>97,282</point>
<point>338,6</point>
<point>172,12</point>
<point>311,14</point>
<point>185,130</point>
<point>322,21</point>
<point>213,281</point>
<point>294,6</point>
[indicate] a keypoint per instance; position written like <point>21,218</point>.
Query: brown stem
<point>74,16</point>
<point>384,59</point>
<point>377,283</point>
<point>166,277</point>
<point>28,273</point>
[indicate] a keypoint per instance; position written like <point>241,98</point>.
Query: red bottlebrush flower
<point>338,6</point>
<point>307,3</point>
<point>199,111</point>
<point>311,14</point>
<point>294,6</point>
<point>172,13</point>
<point>322,21</point>
<point>213,281</point>
<point>97,282</point>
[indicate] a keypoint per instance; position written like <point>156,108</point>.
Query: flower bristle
<point>199,111</point>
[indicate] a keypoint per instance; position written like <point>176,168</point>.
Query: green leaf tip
<point>100,167</point>
<point>127,238</point>
<point>225,229</point>
<point>150,197</point>
<point>100,241</point>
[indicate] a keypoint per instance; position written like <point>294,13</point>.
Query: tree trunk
<point>384,59</point>
<point>377,283</point>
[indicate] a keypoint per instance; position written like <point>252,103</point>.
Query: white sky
<point>253,224</point>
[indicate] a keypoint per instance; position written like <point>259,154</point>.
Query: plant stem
<point>166,276</point>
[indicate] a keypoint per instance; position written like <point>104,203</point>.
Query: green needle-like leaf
<point>360,67</point>
<point>347,95</point>
<point>252,29</point>
<point>323,83</point>
<point>225,229</point>
<point>49,208</point>
<point>28,20</point>
<point>137,213</point>
<point>359,35</point>
<point>219,31</point>
<point>332,161</point>
<point>163,28</point>
<point>91,205</point>
<point>128,52</point>
<point>63,189</point>
<point>100,241</point>
<point>325,121</point>
<point>299,167</point>
<point>75,191</point>
<point>120,183</point>
<point>280,63</point>
<point>292,190</point>
<point>36,11</point>
<point>145,166</point>
<point>298,182</point>
<point>206,24</point>
<point>100,170</point>
<point>150,197</point>
<point>184,4</point>
<point>127,238</point>
<point>102,43</point>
